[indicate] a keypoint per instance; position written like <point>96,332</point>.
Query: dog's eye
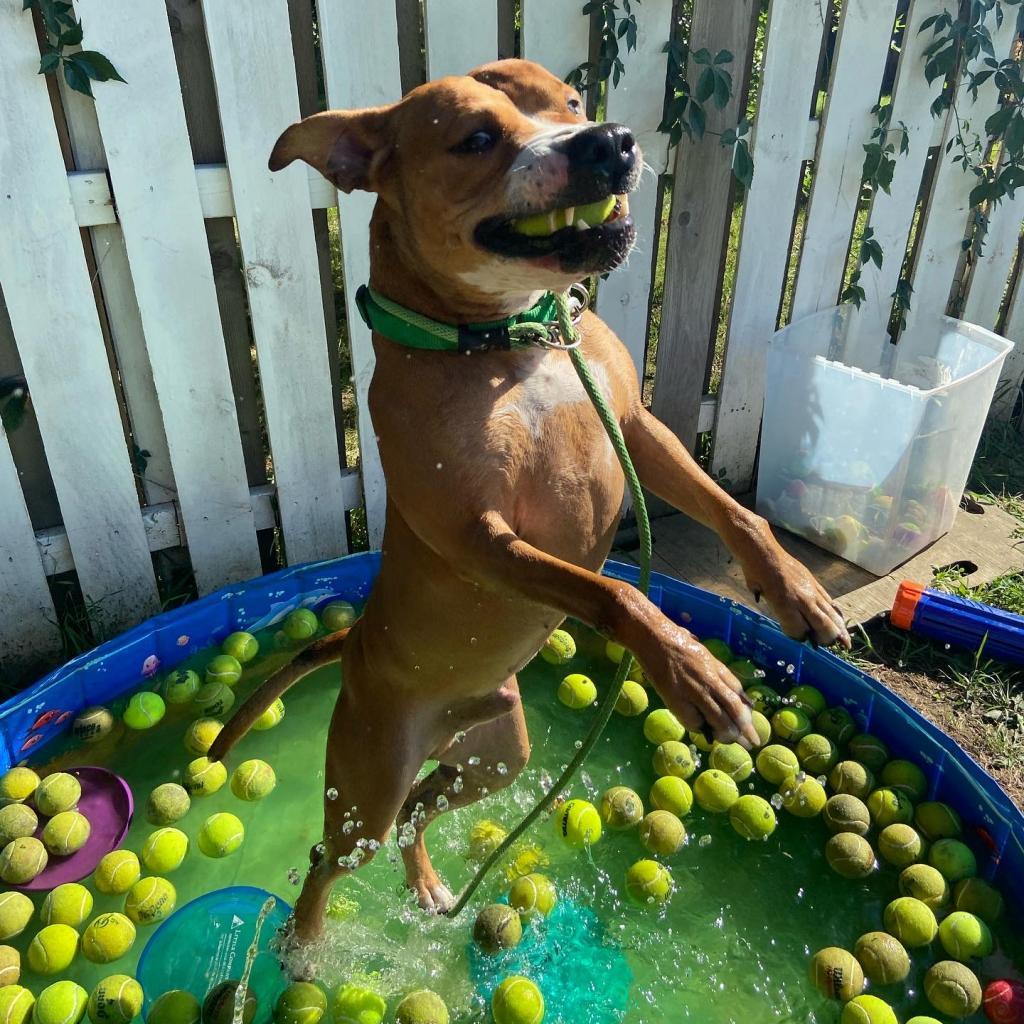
<point>478,142</point>
<point>574,105</point>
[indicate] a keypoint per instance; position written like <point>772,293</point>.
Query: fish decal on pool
<point>31,742</point>
<point>150,666</point>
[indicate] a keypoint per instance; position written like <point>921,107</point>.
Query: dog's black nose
<point>604,149</point>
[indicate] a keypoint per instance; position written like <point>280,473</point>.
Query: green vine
<point>614,27</point>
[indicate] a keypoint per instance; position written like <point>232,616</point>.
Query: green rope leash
<point>568,331</point>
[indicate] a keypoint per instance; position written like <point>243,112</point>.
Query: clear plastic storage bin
<point>866,445</point>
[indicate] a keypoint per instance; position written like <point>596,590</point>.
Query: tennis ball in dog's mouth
<point>540,225</point>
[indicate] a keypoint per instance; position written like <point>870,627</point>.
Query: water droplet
<point>474,761</point>
<point>578,744</point>
<point>373,845</point>
<point>320,848</point>
<point>293,876</point>
<point>457,785</point>
<point>439,465</point>
<point>777,801</point>
<point>361,843</point>
<point>704,841</point>
<point>502,768</point>
<point>484,791</point>
<point>442,803</point>
<point>459,736</point>
<point>359,824</point>
<point>348,827</point>
<point>472,641</point>
<point>332,794</point>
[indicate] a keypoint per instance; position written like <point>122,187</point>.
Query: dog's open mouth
<point>582,218</point>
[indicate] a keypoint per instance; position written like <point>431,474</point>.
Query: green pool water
<point>731,946</point>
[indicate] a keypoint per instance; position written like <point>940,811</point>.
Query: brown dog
<point>503,490</point>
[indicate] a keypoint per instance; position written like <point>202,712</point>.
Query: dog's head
<point>499,180</point>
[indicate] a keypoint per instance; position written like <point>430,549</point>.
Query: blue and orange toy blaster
<point>959,622</point>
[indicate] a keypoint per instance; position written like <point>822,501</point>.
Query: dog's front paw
<point>432,895</point>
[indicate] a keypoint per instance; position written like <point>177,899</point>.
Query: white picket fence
<point>142,337</point>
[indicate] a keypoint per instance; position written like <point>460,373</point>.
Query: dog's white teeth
<point>570,215</point>
<point>582,225</point>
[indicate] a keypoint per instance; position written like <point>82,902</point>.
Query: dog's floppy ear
<point>346,146</point>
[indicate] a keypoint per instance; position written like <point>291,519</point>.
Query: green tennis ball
<point>808,699</point>
<point>715,791</point>
<point>952,988</point>
<point>338,615</point>
<point>214,700</point>
<point>732,759</point>
<point>53,949</point>
<point>661,726</point>
<point>937,820</point>
<point>241,646</point>
<point>223,669</point>
<point>673,794</point>
<point>16,910</point>
<point>199,736</point>
<point>697,739</point>
<point>578,823</point>
<point>354,1004</point>
<point>108,938</point>
<point>868,1010</point>
<point>253,780</point>
<point>637,674</point>
<point>614,652</point>
<point>632,700</point>
<point>219,1004</point>
<point>167,804</point>
<point>68,904</point>
<point>175,1007</point>
<point>517,1000</point>
<point>906,777</point>
<point>918,1019</point>
<point>869,750</point>
<point>115,1000</point>
<point>21,860</point>
<point>577,691</point>
<point>181,686</point>
<point>150,900</point>
<point>93,725</point>
<point>17,821</point>
<point>300,1003</point>
<point>762,727</point>
<point>164,850</point>
<point>720,650</point>
<point>752,817</point>
<point>271,717</point>
<point>203,777</point>
<point>423,1007</point>
<point>953,859</point>
<point>621,808</point>
<point>901,845</point>
<point>889,806</point>
<point>533,895</point>
<point>648,882</point>
<point>144,710</point>
<point>559,648</point>
<point>674,758</point>
<point>497,927</point>
<point>662,833</point>
<point>16,1004</point>
<point>836,973</point>
<point>221,835</point>
<point>924,883</point>
<point>762,697</point>
<point>746,671</point>
<point>66,833</point>
<point>790,724</point>
<point>845,813</point>
<point>978,897</point>
<point>300,624</point>
<point>853,778</point>
<point>56,793</point>
<point>965,935</point>
<point>836,724</point>
<point>850,855</point>
<point>17,785</point>
<point>63,1002</point>
<point>117,872</point>
<point>882,957</point>
<point>804,798</point>
<point>10,968</point>
<point>911,921</point>
<point>816,753</point>
<point>776,763</point>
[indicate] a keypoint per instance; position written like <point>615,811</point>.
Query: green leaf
<point>997,124</point>
<point>698,120</point>
<point>96,66</point>
<point>71,36</point>
<point>77,79</point>
<point>1014,137</point>
<point>723,87</point>
<point>979,194</point>
<point>729,137</point>
<point>705,85</point>
<point>743,164</point>
<point>703,56</point>
<point>926,24</point>
<point>724,57</point>
<point>50,62</point>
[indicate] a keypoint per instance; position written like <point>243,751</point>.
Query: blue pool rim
<point>994,827</point>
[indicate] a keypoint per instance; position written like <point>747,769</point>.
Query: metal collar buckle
<point>551,337</point>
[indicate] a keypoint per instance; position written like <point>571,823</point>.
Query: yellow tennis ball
<point>558,648</point>
<point>647,881</point>
<point>577,691</point>
<point>578,823</point>
<point>776,763</point>
<point>517,1000</point>
<point>300,624</point>
<point>150,900</point>
<point>852,778</point>
<point>65,833</point>
<point>10,968</point>
<point>803,798</point>
<point>926,884</point>
<point>199,736</point>
<point>790,724</point>
<point>900,845</point>
<point>869,750</point>
<point>950,856</point>
<point>484,838</point>
<point>810,700</point>
<point>300,1003</point>
<point>16,910</point>
<point>53,949</point>
<point>203,777</point>
<point>762,697</point>
<point>964,936</point>
<point>338,615</point>
<point>697,739</point>
<point>181,686</point>
<point>63,1002</point>
<point>953,989</point>
<point>253,780</point>
<point>715,791</point>
<point>356,1004</point>
<point>117,872</point>
<point>17,821</point>
<point>215,699</point>
<point>762,727</point>
<point>752,817</point>
<point>662,833</point>
<point>816,753</point>
<point>164,850</point>
<point>533,895</point>
<point>175,1007</point>
<point>883,958</point>
<point>906,777</point>
<point>732,759</point>
<point>614,652</point>
<point>498,926</point>
<point>937,820</point>
<point>671,793</point>
<point>837,724</point>
<point>868,1010</point>
<point>223,669</point>
<point>661,726</point>
<point>21,860</point>
<point>845,813</point>
<point>422,1007</point>
<point>167,804</point>
<point>17,785</point>
<point>978,897</point>
<point>221,835</point>
<point>890,806</point>
<point>632,700</point>
<point>241,646</point>
<point>621,808</point>
<point>144,710</point>
<point>57,792</point>
<point>911,921</point>
<point>836,973</point>
<point>115,1000</point>
<point>16,1004</point>
<point>93,725</point>
<point>674,758</point>
<point>850,855</point>
<point>270,717</point>
<point>68,904</point>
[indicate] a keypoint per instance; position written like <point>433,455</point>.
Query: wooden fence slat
<point>794,26</point>
<point>556,34</point>
<point>638,101</point>
<point>459,35</point>
<point>361,69</point>
<point>53,314</point>
<point>698,231</point>
<point>862,48</point>
<point>143,127</point>
<point>1012,376</point>
<point>257,101</point>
